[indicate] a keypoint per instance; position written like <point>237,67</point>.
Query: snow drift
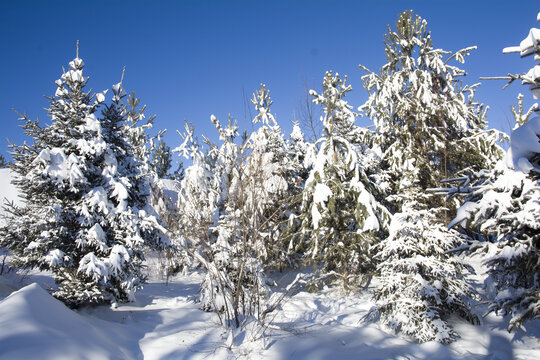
<point>32,322</point>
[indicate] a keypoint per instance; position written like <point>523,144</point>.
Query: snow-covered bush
<point>420,285</point>
<point>234,194</point>
<point>84,196</point>
<point>234,285</point>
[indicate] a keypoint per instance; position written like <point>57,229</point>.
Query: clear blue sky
<point>191,59</point>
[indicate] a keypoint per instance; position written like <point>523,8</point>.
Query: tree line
<point>356,204</point>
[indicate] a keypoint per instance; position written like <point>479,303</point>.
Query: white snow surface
<point>8,191</point>
<point>164,322</point>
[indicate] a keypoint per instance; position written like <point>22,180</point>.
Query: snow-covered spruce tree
<point>339,219</point>
<point>424,116</point>
<point>82,215</point>
<point>503,204</point>
<point>426,128</point>
<point>420,285</point>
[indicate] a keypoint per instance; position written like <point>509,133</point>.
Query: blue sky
<point>191,59</point>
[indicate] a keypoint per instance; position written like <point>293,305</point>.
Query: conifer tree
<point>421,285</point>
<point>264,178</point>
<point>424,116</point>
<point>82,215</point>
<point>340,219</point>
<point>427,126</point>
<point>162,160</point>
<point>137,127</point>
<point>502,204</point>
<point>299,158</point>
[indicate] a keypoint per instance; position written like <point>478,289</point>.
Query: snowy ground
<point>165,323</point>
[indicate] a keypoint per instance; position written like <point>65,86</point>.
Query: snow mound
<point>33,322</point>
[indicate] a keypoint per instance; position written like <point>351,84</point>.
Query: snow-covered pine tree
<point>162,160</point>
<point>83,197</point>
<point>424,116</point>
<point>503,204</point>
<point>340,219</point>
<point>299,158</point>
<point>137,126</point>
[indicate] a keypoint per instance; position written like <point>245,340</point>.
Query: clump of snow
<point>96,237</point>
<point>463,213</point>
<point>55,258</point>
<point>121,193</point>
<point>524,142</point>
<point>93,267</point>
<point>320,196</point>
<point>60,168</point>
<point>321,193</point>
<point>118,91</point>
<point>533,78</point>
<point>76,63</point>
<point>118,258</point>
<point>100,97</point>
<point>530,43</point>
